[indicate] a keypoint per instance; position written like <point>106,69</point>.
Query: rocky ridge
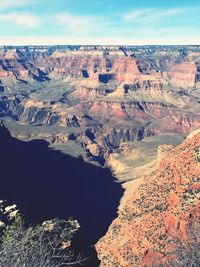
<point>158,207</point>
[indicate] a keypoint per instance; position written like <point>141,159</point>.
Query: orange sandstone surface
<point>156,209</point>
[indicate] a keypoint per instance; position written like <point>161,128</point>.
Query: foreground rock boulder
<point>8,213</point>
<point>161,207</point>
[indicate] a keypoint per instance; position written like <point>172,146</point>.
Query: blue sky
<point>99,22</point>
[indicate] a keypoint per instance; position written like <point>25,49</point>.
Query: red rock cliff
<point>162,206</point>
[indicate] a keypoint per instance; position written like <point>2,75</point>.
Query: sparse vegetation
<point>188,253</point>
<point>185,253</point>
<point>46,245</point>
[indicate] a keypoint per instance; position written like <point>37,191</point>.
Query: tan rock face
<point>192,134</point>
<point>61,138</point>
<point>163,151</point>
<point>162,206</point>
<point>183,74</point>
<point>94,149</point>
<point>3,73</point>
<point>126,69</point>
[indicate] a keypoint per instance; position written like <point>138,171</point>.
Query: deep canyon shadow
<point>46,184</point>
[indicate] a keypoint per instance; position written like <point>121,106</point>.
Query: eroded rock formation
<point>118,94</point>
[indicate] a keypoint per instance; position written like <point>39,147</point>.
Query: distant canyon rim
<point>106,106</point>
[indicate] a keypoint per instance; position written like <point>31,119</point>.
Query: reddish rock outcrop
<point>126,69</point>
<point>14,63</point>
<point>163,206</point>
<point>183,74</point>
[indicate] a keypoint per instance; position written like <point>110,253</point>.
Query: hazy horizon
<point>50,42</point>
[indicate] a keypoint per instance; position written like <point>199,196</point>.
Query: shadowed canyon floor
<point>47,184</point>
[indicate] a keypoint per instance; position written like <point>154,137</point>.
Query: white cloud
<point>23,19</point>
<point>75,23</point>
<point>137,14</point>
<point>148,15</point>
<point>15,3</point>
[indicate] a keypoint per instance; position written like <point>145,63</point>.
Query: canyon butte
<point>126,108</point>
